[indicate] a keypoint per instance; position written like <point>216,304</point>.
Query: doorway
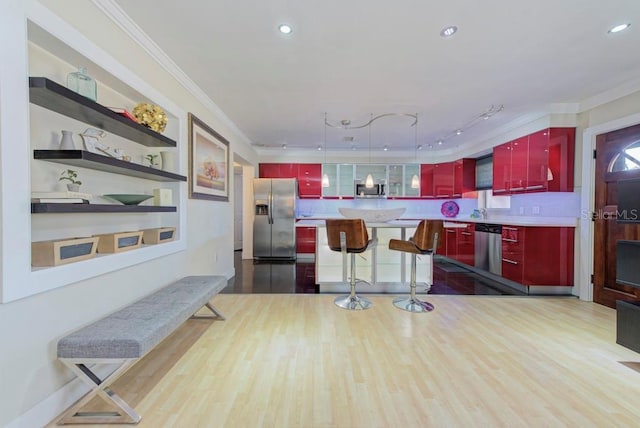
<point>617,158</point>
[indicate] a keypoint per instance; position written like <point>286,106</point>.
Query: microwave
<point>377,191</point>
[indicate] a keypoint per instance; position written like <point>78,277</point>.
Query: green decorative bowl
<point>129,199</point>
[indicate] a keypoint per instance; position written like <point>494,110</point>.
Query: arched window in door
<point>628,159</point>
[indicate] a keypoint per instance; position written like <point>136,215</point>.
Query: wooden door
<point>618,157</point>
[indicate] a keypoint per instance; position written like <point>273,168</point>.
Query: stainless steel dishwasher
<point>488,247</point>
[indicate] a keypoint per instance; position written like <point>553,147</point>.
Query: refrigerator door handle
<point>270,202</point>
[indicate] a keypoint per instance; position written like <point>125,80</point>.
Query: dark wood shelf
<point>48,94</point>
<point>52,208</point>
<point>85,159</point>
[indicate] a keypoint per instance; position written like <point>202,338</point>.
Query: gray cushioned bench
<point>125,336</point>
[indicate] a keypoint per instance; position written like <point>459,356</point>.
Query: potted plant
<point>152,160</point>
<point>72,177</point>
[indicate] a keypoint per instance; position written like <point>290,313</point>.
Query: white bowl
<point>373,215</point>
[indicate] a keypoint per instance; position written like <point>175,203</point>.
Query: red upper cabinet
<point>269,170</point>
<point>278,170</point>
<point>443,179</point>
<point>519,164</point>
<point>464,179</point>
<point>501,169</point>
<point>426,181</point>
<point>537,174</point>
<point>542,161</point>
<point>309,180</point>
<point>561,159</point>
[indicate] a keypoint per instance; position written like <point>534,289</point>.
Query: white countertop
<point>504,220</point>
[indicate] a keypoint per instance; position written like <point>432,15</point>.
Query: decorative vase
<point>73,187</point>
<point>168,161</point>
<point>83,84</point>
<point>66,142</point>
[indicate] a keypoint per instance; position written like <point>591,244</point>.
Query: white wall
<point>30,327</point>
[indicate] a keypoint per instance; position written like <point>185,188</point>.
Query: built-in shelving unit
<point>59,208</point>
<point>48,94</point>
<point>85,159</point>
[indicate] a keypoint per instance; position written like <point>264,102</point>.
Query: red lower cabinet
<point>451,242</point>
<point>466,250</point>
<point>305,240</point>
<point>538,255</point>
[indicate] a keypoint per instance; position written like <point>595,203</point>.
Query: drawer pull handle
<point>517,188</point>
<point>509,228</point>
<point>509,240</point>
<point>510,261</point>
<point>465,233</point>
<point>537,186</point>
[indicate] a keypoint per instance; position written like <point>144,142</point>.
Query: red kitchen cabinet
<point>512,253</point>
<point>309,180</point>
<point>538,255</point>
<point>561,159</point>
<point>278,170</point>
<point>537,173</point>
<point>465,240</point>
<point>501,169</point>
<point>426,181</point>
<point>519,163</point>
<point>542,161</point>
<point>451,242</point>
<point>464,177</point>
<point>269,170</point>
<point>443,179</point>
<point>305,240</point>
<point>548,256</point>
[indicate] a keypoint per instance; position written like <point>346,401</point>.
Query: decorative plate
<point>129,199</point>
<point>450,209</point>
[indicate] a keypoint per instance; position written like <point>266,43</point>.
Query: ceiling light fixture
<point>448,31</point>
<point>346,124</point>
<point>284,147</point>
<point>285,29</point>
<point>368,182</point>
<point>619,28</point>
<point>481,117</point>
<point>325,176</point>
<point>415,180</point>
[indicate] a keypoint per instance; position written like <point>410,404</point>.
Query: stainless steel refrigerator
<point>274,228</point>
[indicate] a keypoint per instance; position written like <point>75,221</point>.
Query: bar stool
<point>423,241</point>
<point>349,236</point>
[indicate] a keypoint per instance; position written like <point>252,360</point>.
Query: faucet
<point>483,213</point>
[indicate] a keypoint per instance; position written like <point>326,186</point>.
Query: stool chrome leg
<point>352,301</point>
<point>411,303</point>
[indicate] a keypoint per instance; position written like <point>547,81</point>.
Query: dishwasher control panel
<point>488,228</point>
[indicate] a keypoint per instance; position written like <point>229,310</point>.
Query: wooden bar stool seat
<point>424,242</point>
<point>349,236</point>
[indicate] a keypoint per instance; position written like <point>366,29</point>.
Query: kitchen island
<point>387,271</point>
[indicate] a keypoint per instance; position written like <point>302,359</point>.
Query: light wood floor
<point>476,361</point>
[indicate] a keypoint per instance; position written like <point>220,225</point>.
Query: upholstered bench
<point>125,336</point>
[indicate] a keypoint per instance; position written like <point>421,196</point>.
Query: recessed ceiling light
<point>619,28</point>
<point>449,31</point>
<point>284,147</point>
<point>459,131</point>
<point>319,148</point>
<point>440,142</point>
<point>285,29</point>
<point>385,148</point>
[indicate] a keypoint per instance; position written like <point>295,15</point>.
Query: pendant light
<point>368,182</point>
<point>325,176</point>
<point>415,180</point>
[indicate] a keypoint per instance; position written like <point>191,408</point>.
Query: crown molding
<point>114,12</point>
<point>610,95</point>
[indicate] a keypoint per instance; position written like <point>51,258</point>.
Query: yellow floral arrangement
<point>151,116</point>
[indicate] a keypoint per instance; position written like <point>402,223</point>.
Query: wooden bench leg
<point>217,313</point>
<point>99,387</point>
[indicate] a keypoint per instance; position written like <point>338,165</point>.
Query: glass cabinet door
<point>409,171</point>
<point>346,179</point>
<point>331,170</point>
<point>396,180</point>
<point>379,172</point>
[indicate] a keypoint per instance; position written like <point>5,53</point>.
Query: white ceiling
<point>352,59</point>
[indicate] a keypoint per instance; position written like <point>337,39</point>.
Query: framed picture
<point>208,162</point>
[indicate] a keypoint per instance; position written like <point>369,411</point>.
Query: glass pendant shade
<point>415,182</point>
<point>368,182</point>
<point>325,180</point>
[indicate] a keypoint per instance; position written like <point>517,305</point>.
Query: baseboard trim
<point>51,407</point>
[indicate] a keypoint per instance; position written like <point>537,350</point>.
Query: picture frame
<point>208,162</point>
